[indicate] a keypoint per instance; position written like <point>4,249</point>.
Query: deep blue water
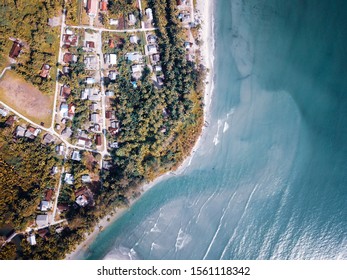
<point>270,178</point>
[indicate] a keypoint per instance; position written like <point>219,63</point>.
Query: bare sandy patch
<point>25,98</point>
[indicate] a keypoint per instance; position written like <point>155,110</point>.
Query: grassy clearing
<point>26,98</point>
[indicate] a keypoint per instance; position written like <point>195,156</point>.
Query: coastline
<point>205,14</point>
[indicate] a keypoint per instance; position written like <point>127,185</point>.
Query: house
<point>106,165</point>
<point>90,81</point>
<point>95,118</point>
<point>32,239</point>
<point>15,50</point>
<point>112,75</point>
<point>49,193</point>
<point>157,68</point>
<point>76,156</point>
<point>109,93</point>
<point>3,112</point>
<point>160,80</point>
<point>132,19</point>
<point>82,141</point>
<point>66,70</point>
<point>184,16</point>
<point>69,39</point>
<point>65,91</point>
<point>43,232</point>
<point>86,178</point>
<point>111,43</point>
<point>187,45</point>
<point>62,207</point>
<point>136,71</point>
<point>108,114</point>
<point>10,120</point>
<point>134,39</point>
<point>114,145</point>
<point>90,61</point>
<point>60,149</point>
<point>114,21</point>
<point>152,39</point>
<point>94,107</point>
<point>32,132</point>
<point>20,131</point>
<point>98,140</point>
<point>54,170</point>
<point>71,110</point>
<point>103,6</point>
<point>67,132</point>
<point>82,200</point>
<point>64,109</point>
<point>44,206</point>
<point>149,14</point>
<point>69,57</point>
<point>92,7</point>
<point>68,179</point>
<point>96,127</point>
<point>90,44</point>
<point>45,71</point>
<point>42,220</point>
<point>155,58</point>
<point>111,58</point>
<point>134,57</point>
<point>152,49</point>
<point>84,94</point>
<point>48,138</point>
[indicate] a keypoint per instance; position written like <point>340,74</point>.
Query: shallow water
<point>269,180</point>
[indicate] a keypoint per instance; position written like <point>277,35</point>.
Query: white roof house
<point>136,68</point>
<point>114,21</point>
<point>84,94</point>
<point>68,179</point>
<point>64,109</point>
<point>152,49</point>
<point>82,200</point>
<point>95,118</point>
<point>132,19</point>
<point>135,56</point>
<point>42,220</point>
<point>76,156</point>
<point>149,13</point>
<point>32,239</point>
<point>134,39</point>
<point>111,58</point>
<point>86,178</point>
<point>45,205</point>
<point>112,75</point>
<point>90,81</point>
<point>157,68</point>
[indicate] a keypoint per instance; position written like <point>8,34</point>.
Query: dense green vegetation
<point>18,19</point>
<point>20,190</point>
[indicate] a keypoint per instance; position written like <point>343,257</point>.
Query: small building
<point>86,178</point>
<point>44,206</point>
<point>84,94</point>
<point>20,131</point>
<point>112,75</point>
<point>71,111</point>
<point>134,39</point>
<point>134,57</point>
<point>64,109</point>
<point>114,21</point>
<point>158,68</point>
<point>90,81</point>
<point>69,57</point>
<point>60,149</point>
<point>3,112</point>
<point>69,179</point>
<point>10,120</point>
<point>103,6</point>
<point>15,50</point>
<point>149,14</point>
<point>45,71</point>
<point>49,193</point>
<point>82,141</point>
<point>92,7</point>
<point>152,49</point>
<point>109,93</point>
<point>82,200</point>
<point>155,58</point>
<point>54,170</point>
<point>95,118</point>
<point>67,132</point>
<point>62,207</point>
<point>94,107</point>
<point>48,138</point>
<point>111,58</point>
<point>152,39</point>
<point>66,70</point>
<point>98,140</point>
<point>43,232</point>
<point>132,19</point>
<point>187,45</point>
<point>65,91</point>
<point>32,132</point>
<point>111,43</point>
<point>90,44</point>
<point>32,239</point>
<point>76,156</point>
<point>42,220</point>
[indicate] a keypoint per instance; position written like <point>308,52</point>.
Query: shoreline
<point>205,14</point>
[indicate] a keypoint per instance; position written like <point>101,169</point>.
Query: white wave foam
<point>226,127</point>
<point>182,240</point>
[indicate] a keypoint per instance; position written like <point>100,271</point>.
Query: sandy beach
<point>204,13</point>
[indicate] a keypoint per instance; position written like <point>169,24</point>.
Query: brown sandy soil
<point>26,99</point>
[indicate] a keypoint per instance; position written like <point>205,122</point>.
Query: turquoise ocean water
<point>270,178</point>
